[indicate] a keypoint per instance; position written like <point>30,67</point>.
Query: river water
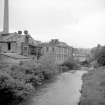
<point>64,91</point>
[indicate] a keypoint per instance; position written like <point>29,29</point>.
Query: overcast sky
<point>80,23</point>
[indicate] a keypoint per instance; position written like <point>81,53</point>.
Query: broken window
<point>9,46</point>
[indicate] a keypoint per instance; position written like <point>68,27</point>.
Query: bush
<point>63,68</point>
<point>85,63</point>
<point>70,64</point>
<point>18,82</point>
<point>101,59</point>
<point>99,56</point>
<point>48,67</point>
<point>13,82</point>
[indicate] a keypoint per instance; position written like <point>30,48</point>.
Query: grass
<point>93,89</point>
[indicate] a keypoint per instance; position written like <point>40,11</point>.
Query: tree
<point>48,66</point>
<point>71,64</point>
<point>98,54</point>
<point>101,57</point>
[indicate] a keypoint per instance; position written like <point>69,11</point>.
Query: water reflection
<point>65,91</point>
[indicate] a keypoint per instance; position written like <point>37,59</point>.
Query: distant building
<point>18,44</point>
<point>81,54</point>
<point>60,51</point>
<point>18,47</point>
<point>15,46</point>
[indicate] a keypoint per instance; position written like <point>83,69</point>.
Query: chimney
<point>20,32</point>
<point>6,17</point>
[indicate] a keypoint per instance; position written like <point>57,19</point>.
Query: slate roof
<point>58,44</point>
<point>12,37</point>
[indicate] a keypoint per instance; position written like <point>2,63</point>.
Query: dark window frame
<point>9,46</point>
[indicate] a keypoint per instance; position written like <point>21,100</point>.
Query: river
<point>64,91</point>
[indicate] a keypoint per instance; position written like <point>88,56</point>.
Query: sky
<point>79,23</point>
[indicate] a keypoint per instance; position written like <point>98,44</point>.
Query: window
<point>25,49</point>
<point>53,49</point>
<point>9,46</point>
<point>47,49</point>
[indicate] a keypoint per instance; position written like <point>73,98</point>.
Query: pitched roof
<point>21,38</point>
<point>58,44</point>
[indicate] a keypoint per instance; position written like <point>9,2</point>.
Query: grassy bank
<point>93,89</point>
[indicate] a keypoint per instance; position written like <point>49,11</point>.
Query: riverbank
<point>63,91</point>
<point>39,89</point>
<point>93,89</point>
<point>19,82</point>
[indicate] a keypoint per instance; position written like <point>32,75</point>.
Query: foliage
<point>48,66</point>
<point>20,81</point>
<point>85,63</point>
<point>70,64</point>
<point>99,55</point>
<point>13,81</point>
